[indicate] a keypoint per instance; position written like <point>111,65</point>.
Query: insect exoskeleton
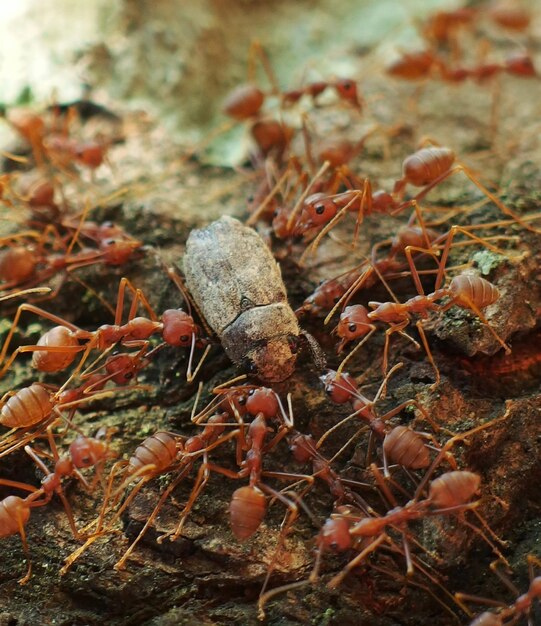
<point>238,287</point>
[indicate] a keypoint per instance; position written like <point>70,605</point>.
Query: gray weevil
<point>238,286</point>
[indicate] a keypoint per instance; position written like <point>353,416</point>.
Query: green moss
<point>487,261</point>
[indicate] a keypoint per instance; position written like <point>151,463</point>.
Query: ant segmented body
<point>15,514</point>
<point>507,614</point>
<point>58,347</point>
<point>400,444</point>
<point>39,405</point>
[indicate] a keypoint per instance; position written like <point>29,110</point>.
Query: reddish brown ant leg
<point>469,304</point>
<point>371,547</point>
<point>257,52</point>
<point>288,521</point>
<point>203,476</point>
<point>470,175</point>
<point>373,329</point>
<point>59,492</point>
<point>121,563</point>
<point>447,247</point>
<point>450,443</point>
<point>137,296</point>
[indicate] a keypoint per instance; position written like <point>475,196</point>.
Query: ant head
<point>118,252</point>
<point>347,90</point>
<point>235,400</point>
<point>334,535</point>
<point>123,368</point>
<point>86,452</point>
<point>320,211</point>
<point>354,322</point>
<point>178,328</point>
<point>303,448</point>
<point>262,400</point>
<point>340,388</point>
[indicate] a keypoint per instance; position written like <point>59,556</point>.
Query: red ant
<point>15,513</point>
<point>39,405</point>
<point>246,101</point>
<point>401,444</point>
<point>58,347</point>
<point>466,290</point>
<point>55,144</point>
<point>20,265</point>
<point>449,494</point>
<point>507,614</point>
<point>163,452</point>
<point>426,168</point>
<point>83,453</point>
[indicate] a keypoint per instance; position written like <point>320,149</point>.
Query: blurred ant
<point>507,614</point>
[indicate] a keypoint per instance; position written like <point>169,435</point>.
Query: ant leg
<point>424,340</point>
<point>257,52</point>
<point>477,312</point>
<point>137,296</point>
<point>265,597</point>
<point>22,533</point>
<point>450,443</point>
<point>484,537</point>
<point>6,482</point>
<point>371,547</point>
<point>290,517</point>
<point>263,205</point>
<point>356,349</point>
<point>365,207</point>
<point>203,476</point>
<point>189,376</point>
<point>121,563</point>
<point>447,247</point>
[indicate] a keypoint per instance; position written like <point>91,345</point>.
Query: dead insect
<point>238,287</point>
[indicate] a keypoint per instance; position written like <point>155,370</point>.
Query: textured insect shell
<point>238,287</point>
<point>29,406</point>
<point>12,515</point>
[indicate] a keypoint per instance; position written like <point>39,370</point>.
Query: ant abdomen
<point>52,361</point>
<point>30,405</point>
<point>426,165</point>
<point>453,489</point>
<point>247,510</point>
<point>159,450</point>
<point>470,288</point>
<point>405,447</point>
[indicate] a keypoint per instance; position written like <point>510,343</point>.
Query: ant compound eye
<point>250,393</point>
<point>184,338</point>
<point>128,375</point>
<point>109,242</point>
<point>319,209</point>
<point>352,328</point>
<point>242,400</point>
<point>347,85</point>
